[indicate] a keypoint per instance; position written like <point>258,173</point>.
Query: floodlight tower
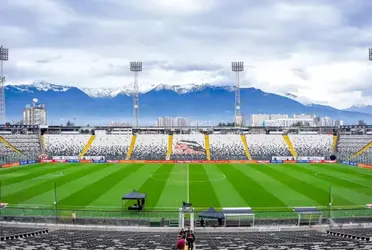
<point>237,67</point>
<point>4,56</point>
<point>135,67</point>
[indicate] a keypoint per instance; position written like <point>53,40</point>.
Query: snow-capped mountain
<point>361,108</point>
<point>197,102</point>
<point>40,86</point>
<point>302,100</point>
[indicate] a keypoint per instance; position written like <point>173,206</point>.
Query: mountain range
<point>197,102</point>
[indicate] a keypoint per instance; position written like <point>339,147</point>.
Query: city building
<point>288,122</point>
<point>259,119</point>
<point>240,120</point>
<point>35,114</point>
<point>304,116</point>
<point>173,122</point>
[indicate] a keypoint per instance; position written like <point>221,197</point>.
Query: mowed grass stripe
<point>347,169</point>
<point>287,195</point>
<point>348,179</point>
<point>175,189</point>
<point>67,189</point>
<point>34,174</point>
<point>249,189</point>
<point>201,191</point>
<point>226,193</point>
<point>4,171</point>
<point>309,177</point>
<point>45,186</point>
<point>112,198</point>
<point>91,192</point>
<point>154,187</point>
<point>313,192</point>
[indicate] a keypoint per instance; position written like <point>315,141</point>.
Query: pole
<point>237,67</point>
<point>55,202</point>
<point>330,204</point>
<point>1,211</point>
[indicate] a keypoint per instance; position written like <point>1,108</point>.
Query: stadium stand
<point>65,145</point>
<point>27,144</point>
<point>188,147</point>
<point>348,145</point>
<point>7,155</point>
<point>113,147</point>
<point>150,147</point>
<point>228,146</point>
<point>83,239</point>
<point>312,145</point>
<point>266,146</point>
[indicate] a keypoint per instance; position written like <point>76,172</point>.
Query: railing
<point>121,217</point>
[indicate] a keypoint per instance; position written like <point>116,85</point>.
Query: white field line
<point>187,183</point>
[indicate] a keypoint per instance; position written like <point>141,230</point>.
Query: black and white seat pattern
<point>150,147</point>
<point>29,145</point>
<point>298,240</point>
<point>348,145</point>
<point>312,145</point>
<point>267,146</point>
<point>227,147</point>
<point>65,145</point>
<point>113,147</point>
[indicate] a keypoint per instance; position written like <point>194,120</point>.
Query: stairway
<point>362,150</point>
<point>170,145</point>
<point>246,149</point>
<point>131,147</point>
<point>86,148</point>
<point>290,146</point>
<point>10,145</point>
<point>42,143</point>
<point>207,150</point>
<point>334,144</point>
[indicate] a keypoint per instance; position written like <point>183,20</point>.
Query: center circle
<point>182,178</point>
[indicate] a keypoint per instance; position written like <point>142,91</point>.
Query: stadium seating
<point>113,147</point>
<point>7,155</point>
<point>65,145</point>
<point>229,146</point>
<point>188,147</point>
<point>266,146</point>
<point>312,145</point>
<point>348,145</point>
<point>29,145</point>
<point>150,147</point>
<point>365,157</point>
<point>83,239</point>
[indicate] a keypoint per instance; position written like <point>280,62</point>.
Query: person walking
<point>181,243</point>
<point>73,218</point>
<point>190,240</point>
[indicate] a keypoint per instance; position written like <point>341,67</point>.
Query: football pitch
<point>276,187</point>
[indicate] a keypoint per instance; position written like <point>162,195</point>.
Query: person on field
<point>73,218</point>
<point>181,243</point>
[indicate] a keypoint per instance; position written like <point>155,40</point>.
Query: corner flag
<point>330,196</point>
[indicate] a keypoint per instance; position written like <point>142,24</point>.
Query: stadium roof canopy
<point>134,195</point>
<point>237,211</point>
<point>211,213</point>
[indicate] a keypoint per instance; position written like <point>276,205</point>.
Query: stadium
<point>301,182</point>
<point>234,178</point>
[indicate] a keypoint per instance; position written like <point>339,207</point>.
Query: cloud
<point>315,49</point>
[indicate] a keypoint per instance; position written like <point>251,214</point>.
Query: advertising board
<point>9,165</point>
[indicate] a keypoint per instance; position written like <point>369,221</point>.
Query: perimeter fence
<point>163,218</point>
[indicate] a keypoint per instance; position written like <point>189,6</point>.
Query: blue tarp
<point>134,195</point>
<point>211,213</point>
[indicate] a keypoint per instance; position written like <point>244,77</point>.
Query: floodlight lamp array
<point>4,54</point>
<point>136,66</point>
<point>370,54</point>
<point>237,66</point>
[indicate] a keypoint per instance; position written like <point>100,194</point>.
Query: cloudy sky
<point>316,49</point>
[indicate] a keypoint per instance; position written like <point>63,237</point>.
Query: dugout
<point>140,199</point>
<point>238,216</point>
<point>308,215</point>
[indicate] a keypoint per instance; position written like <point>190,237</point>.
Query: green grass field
<point>276,187</point>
